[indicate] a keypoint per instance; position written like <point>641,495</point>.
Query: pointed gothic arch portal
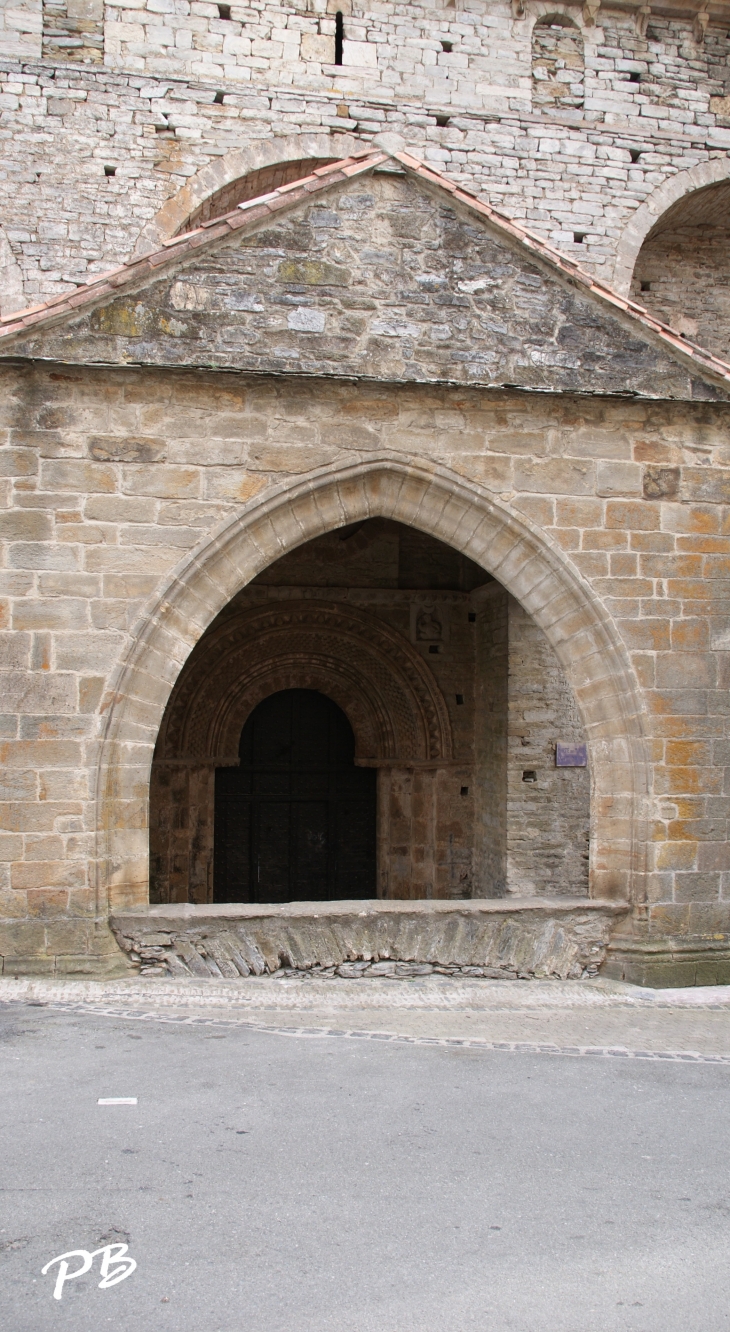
<point>456,513</point>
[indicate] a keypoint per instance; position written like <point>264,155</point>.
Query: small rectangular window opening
<point>472,617</point>
<point>447,47</point>
<point>634,154</point>
<point>465,790</point>
<point>442,121</point>
<point>433,648</point>
<point>218,99</point>
<point>634,76</point>
<point>339,36</point>
<point>646,286</point>
<point>459,699</point>
<point>110,171</point>
<point>579,237</point>
<point>224,11</point>
<point>529,775</point>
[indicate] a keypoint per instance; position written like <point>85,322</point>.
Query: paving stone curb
<point>427,993</point>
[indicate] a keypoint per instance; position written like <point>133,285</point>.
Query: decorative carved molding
<point>643,14</point>
<point>699,27</point>
<point>590,12</point>
<point>380,681</point>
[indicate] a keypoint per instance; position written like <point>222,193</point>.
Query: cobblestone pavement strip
<point>597,1018</point>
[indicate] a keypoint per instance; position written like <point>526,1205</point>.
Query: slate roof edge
<point>350,376</point>
<point>21,322</point>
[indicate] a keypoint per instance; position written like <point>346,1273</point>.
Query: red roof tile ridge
<point>177,240</point>
<point>333,166</point>
<point>359,168</point>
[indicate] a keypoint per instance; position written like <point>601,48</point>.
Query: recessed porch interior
<point>374,716</point>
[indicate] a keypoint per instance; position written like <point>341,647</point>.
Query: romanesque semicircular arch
<point>460,513</point>
<point>646,217</point>
<point>543,9</point>
<point>382,684</point>
<point>233,166</point>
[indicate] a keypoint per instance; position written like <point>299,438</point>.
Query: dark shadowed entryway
<point>296,820</point>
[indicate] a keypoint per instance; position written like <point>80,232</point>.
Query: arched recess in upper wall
<point>251,186</point>
<point>558,63</point>
<point>682,272</point>
<point>232,169</point>
<point>12,296</point>
<point>645,219</point>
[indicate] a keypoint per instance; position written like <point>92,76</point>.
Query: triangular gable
<point>374,267</point>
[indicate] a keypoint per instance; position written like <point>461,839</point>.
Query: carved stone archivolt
<point>372,672</point>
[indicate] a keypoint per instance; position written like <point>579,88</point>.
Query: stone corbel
<point>590,12</point>
<point>518,9</point>
<point>699,27</point>
<point>643,14</point>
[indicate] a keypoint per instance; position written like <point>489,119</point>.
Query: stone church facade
<point>364,482</point>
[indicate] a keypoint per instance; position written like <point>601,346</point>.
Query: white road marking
<point>117,1100</point>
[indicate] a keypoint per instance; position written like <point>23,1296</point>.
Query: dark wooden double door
<point>296,821</point>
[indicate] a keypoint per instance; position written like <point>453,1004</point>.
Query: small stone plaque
<point>571,756</point>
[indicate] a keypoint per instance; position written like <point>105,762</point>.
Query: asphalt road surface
<point>346,1184</point>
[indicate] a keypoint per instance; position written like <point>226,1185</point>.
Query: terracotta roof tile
<point>177,240</point>
<point>234,221</point>
<point>368,165</point>
<point>293,185</point>
<point>333,166</point>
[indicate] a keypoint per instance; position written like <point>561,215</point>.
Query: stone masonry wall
<point>683,277</point>
<point>380,277</point>
<point>86,543</point>
<point>558,65</point>
<point>491,685</point>
<point>185,94</point>
<point>547,824</point>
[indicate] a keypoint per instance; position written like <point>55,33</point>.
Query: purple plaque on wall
<point>571,756</point>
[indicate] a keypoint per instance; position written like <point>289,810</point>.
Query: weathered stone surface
<point>108,480</point>
<point>667,963</point>
<point>196,103</point>
<point>552,938</point>
<point>433,293</point>
<point>651,577</point>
